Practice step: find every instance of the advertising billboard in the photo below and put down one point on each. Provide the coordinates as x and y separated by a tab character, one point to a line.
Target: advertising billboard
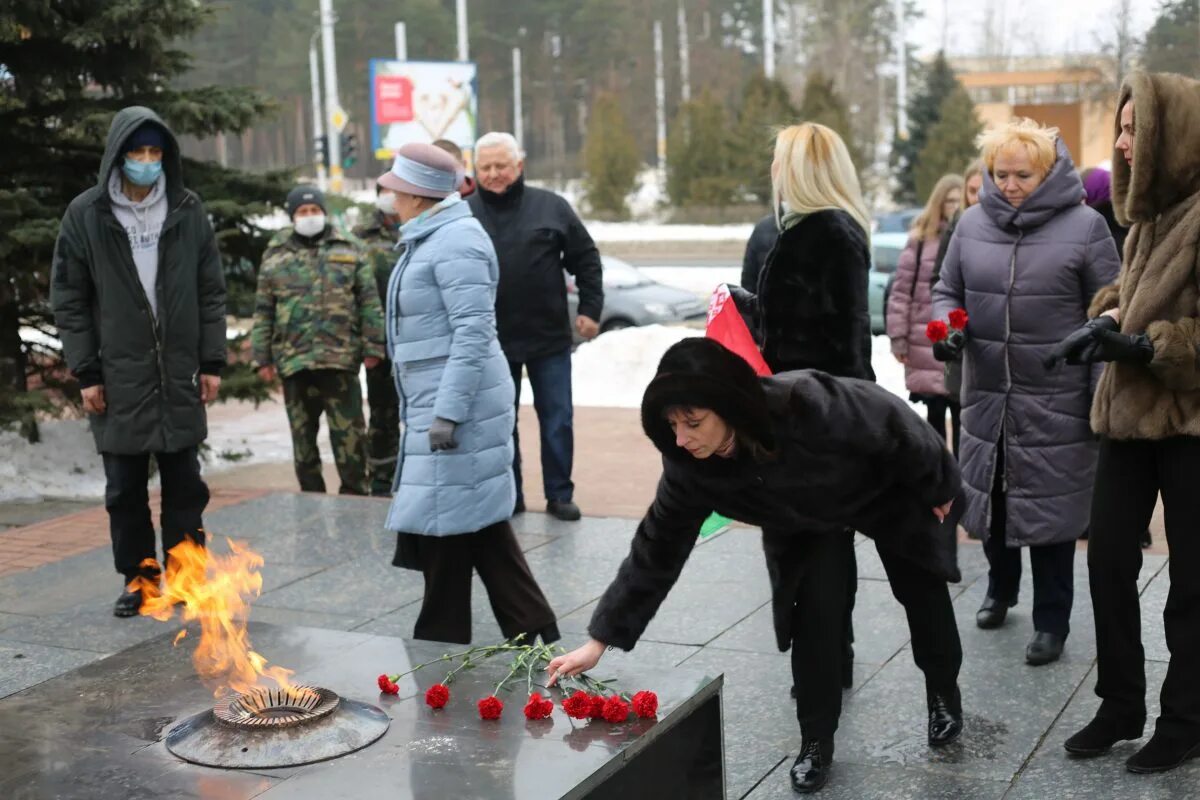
422	101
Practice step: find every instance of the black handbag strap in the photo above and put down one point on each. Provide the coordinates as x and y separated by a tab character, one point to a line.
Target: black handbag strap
912	290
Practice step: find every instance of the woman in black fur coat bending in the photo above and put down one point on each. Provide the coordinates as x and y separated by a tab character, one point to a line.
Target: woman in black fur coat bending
805	456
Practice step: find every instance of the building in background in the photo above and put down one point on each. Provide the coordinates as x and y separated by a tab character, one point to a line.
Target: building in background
1075	94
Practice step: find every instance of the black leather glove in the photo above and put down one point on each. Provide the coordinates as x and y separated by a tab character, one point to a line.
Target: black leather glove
1082	345
441	434
1133	348
746	302
950	348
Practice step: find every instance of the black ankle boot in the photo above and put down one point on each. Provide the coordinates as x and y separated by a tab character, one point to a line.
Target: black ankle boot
992	613
1163	753
945	716
810	770
1098	736
1044	648
128	604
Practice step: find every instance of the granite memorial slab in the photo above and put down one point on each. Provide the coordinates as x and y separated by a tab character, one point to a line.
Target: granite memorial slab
113	728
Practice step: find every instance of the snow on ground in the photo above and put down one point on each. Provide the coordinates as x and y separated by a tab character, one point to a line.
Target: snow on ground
699	280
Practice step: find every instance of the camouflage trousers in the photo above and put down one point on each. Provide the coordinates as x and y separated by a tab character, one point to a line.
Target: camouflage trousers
383	431
306	395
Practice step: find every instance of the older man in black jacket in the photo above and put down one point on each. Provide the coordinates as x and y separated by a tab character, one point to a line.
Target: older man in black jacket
139	300
538	235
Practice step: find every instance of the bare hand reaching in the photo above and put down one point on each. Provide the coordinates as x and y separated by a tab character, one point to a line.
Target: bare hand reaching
581	659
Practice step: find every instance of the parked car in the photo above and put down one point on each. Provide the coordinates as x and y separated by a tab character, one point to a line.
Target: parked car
632	298
899	221
885	255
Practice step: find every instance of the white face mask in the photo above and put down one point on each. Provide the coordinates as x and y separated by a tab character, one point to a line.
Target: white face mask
386	203
310	226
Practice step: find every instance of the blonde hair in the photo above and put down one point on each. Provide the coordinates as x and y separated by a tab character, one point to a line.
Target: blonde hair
815	173
928	223
1023	134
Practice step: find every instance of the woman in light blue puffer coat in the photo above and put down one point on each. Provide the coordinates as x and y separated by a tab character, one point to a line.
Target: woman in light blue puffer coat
454	490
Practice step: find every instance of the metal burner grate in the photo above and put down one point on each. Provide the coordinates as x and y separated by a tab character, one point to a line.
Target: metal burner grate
276	708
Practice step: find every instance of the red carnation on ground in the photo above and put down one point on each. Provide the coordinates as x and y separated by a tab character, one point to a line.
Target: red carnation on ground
645	704
936	331
386	686
616	709
958	319
538	707
490	707
596	708
436	696
577	705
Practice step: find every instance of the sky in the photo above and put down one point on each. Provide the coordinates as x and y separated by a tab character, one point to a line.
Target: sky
1033	26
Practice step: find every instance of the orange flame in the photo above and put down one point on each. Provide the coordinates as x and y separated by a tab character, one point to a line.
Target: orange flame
214	590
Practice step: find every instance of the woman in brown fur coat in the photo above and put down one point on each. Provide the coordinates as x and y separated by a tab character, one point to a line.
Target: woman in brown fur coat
1147	413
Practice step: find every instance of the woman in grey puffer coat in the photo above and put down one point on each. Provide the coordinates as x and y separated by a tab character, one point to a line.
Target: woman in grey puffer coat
1024	264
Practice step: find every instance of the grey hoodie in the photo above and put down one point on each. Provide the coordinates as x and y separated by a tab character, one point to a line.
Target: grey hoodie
143	222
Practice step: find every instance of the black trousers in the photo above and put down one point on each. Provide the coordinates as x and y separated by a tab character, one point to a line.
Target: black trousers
184	496
1129	477
819	626
1053	567
447	563
935	412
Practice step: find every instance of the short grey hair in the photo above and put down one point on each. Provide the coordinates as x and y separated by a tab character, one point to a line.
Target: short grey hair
500	139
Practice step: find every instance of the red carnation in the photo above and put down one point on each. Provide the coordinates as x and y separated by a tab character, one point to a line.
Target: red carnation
436	696
577	705
538	707
645	704
616	709
958	319
386	686
490	707
596	709
936	331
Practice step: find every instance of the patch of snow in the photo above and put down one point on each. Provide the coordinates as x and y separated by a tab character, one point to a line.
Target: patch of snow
63	464
604	232
698	280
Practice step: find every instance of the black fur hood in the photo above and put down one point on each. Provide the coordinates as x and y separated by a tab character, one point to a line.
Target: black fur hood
701	373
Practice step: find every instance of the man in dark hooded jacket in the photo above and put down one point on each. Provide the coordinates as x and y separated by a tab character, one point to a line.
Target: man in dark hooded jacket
139	300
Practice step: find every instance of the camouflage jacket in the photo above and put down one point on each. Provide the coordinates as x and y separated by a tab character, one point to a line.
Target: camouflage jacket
380	240
317	306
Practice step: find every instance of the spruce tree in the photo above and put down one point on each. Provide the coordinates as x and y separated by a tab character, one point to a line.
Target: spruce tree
700	153
1171	44
610	157
67	68
951	143
924	111
824	105
766	107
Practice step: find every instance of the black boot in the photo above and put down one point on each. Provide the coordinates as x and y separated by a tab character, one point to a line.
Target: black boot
1163	753
128	604
945	716
810	770
564	510
992	613
1098	736
1044	648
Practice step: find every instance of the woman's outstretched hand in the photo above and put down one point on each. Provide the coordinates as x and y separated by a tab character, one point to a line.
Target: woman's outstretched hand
581	659
943	511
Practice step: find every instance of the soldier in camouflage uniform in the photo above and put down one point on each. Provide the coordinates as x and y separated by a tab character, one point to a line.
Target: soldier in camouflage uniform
379	235
317	317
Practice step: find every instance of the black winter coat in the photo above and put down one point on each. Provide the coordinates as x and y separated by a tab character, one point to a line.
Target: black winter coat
762	241
811	308
150	370
848	455
537	235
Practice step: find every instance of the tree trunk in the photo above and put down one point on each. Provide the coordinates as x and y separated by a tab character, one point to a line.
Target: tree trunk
12	361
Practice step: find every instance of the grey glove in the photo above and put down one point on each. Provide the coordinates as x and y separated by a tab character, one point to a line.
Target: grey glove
441	434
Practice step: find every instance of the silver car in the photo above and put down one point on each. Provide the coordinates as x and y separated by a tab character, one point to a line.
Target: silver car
632	298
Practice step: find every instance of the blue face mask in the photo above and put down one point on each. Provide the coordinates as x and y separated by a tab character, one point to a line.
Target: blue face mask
142	173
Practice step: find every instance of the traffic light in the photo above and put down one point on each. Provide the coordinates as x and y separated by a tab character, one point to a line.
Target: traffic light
321	156
349	150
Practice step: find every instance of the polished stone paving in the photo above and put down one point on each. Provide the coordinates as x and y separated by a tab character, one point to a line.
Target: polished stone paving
328	565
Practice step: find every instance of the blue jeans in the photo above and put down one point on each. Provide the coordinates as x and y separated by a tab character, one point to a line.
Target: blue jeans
550	379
